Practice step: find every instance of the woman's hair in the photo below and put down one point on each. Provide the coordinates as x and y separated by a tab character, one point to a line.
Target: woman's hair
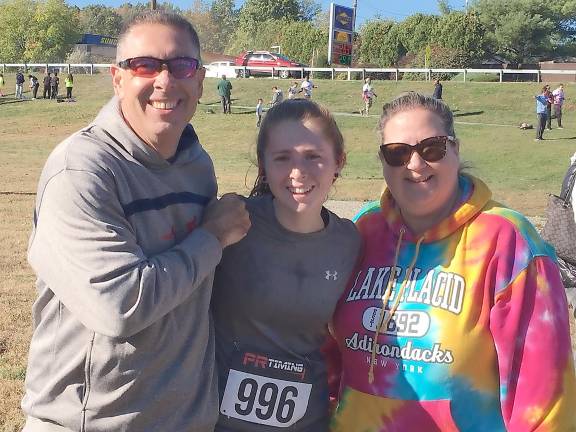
412	100
301	110
70	77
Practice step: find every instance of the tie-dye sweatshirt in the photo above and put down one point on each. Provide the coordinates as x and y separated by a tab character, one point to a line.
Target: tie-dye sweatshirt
480	340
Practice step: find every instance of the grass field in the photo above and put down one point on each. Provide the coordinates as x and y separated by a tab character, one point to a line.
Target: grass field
520	171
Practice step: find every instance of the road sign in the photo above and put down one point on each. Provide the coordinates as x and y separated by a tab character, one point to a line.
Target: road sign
341	35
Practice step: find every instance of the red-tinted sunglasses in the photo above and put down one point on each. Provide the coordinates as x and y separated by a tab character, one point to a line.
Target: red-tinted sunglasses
430	149
149	67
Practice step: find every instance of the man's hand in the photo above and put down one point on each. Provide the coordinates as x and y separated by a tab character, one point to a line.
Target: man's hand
227	218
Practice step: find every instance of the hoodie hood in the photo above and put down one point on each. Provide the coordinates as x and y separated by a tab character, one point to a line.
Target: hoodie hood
110	122
473	195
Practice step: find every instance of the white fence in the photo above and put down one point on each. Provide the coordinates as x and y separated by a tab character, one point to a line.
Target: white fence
299	72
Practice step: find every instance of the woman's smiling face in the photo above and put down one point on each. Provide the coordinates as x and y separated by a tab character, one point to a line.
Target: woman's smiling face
424	191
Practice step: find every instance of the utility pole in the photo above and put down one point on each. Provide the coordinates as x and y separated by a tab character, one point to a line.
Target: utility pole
153	4
355	7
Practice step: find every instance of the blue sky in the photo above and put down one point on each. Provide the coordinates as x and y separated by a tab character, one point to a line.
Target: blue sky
367	9
397	9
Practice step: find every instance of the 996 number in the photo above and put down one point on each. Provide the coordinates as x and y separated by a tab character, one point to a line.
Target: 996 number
266	400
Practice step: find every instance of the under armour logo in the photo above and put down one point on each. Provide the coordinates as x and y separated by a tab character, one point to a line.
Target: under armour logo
331	275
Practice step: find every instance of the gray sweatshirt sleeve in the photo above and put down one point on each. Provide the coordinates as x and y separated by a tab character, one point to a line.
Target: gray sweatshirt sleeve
83	248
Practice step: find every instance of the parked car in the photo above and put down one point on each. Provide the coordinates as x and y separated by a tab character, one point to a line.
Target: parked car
266	60
218	68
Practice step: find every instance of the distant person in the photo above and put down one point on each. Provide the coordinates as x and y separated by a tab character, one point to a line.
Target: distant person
306	87
437	89
293	90
127	233
225	91
558	95
541	112
34	84
69	83
54	84
368	95
259	110
19	85
549	103
47	80
2	84
277	96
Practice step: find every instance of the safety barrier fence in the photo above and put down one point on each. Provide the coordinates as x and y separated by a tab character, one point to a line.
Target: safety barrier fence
298	72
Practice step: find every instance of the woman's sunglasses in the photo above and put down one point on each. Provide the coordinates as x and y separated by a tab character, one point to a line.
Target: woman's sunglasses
430	149
149	67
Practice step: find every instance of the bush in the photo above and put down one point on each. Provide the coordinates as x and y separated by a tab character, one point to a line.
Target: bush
413	76
477	77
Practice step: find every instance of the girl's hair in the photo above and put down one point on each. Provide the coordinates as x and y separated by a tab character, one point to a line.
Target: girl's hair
70	77
301	110
411	100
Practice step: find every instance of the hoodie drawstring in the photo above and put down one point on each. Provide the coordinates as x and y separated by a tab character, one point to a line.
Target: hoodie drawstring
383	323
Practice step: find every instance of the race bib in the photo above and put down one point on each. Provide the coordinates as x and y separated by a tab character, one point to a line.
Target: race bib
267	391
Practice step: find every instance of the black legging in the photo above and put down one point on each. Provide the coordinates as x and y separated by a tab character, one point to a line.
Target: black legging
68	92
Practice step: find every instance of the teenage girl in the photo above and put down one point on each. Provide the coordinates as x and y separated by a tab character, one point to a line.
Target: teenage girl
275	291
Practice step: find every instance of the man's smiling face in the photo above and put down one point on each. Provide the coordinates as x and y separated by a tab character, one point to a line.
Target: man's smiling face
161	106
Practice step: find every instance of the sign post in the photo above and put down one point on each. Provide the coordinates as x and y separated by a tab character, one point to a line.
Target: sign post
341	35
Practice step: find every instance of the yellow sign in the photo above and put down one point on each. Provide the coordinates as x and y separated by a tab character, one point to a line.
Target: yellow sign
344	19
341	37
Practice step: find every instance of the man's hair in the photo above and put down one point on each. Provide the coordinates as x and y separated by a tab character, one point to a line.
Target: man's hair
301	110
169	19
412	100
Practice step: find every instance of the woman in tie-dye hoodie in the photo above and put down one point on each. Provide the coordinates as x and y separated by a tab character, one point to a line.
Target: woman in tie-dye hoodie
475	333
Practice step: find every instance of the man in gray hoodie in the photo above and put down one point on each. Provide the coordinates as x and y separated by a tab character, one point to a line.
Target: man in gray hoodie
126	236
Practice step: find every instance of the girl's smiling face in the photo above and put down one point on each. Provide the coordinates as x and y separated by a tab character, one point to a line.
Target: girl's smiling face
300	164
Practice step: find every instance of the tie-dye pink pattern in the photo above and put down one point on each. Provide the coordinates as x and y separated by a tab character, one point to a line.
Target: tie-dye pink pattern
510	365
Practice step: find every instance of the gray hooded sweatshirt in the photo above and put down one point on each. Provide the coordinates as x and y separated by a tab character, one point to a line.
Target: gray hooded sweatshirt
123	337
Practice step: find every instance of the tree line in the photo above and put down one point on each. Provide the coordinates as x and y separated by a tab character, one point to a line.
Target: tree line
517	31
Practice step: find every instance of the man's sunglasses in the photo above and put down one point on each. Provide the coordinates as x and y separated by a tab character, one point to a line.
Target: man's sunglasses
149	67
430	149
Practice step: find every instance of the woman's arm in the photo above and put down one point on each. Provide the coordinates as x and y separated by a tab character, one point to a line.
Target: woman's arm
529	324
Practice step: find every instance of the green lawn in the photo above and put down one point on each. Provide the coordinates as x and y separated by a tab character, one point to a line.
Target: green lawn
520	171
